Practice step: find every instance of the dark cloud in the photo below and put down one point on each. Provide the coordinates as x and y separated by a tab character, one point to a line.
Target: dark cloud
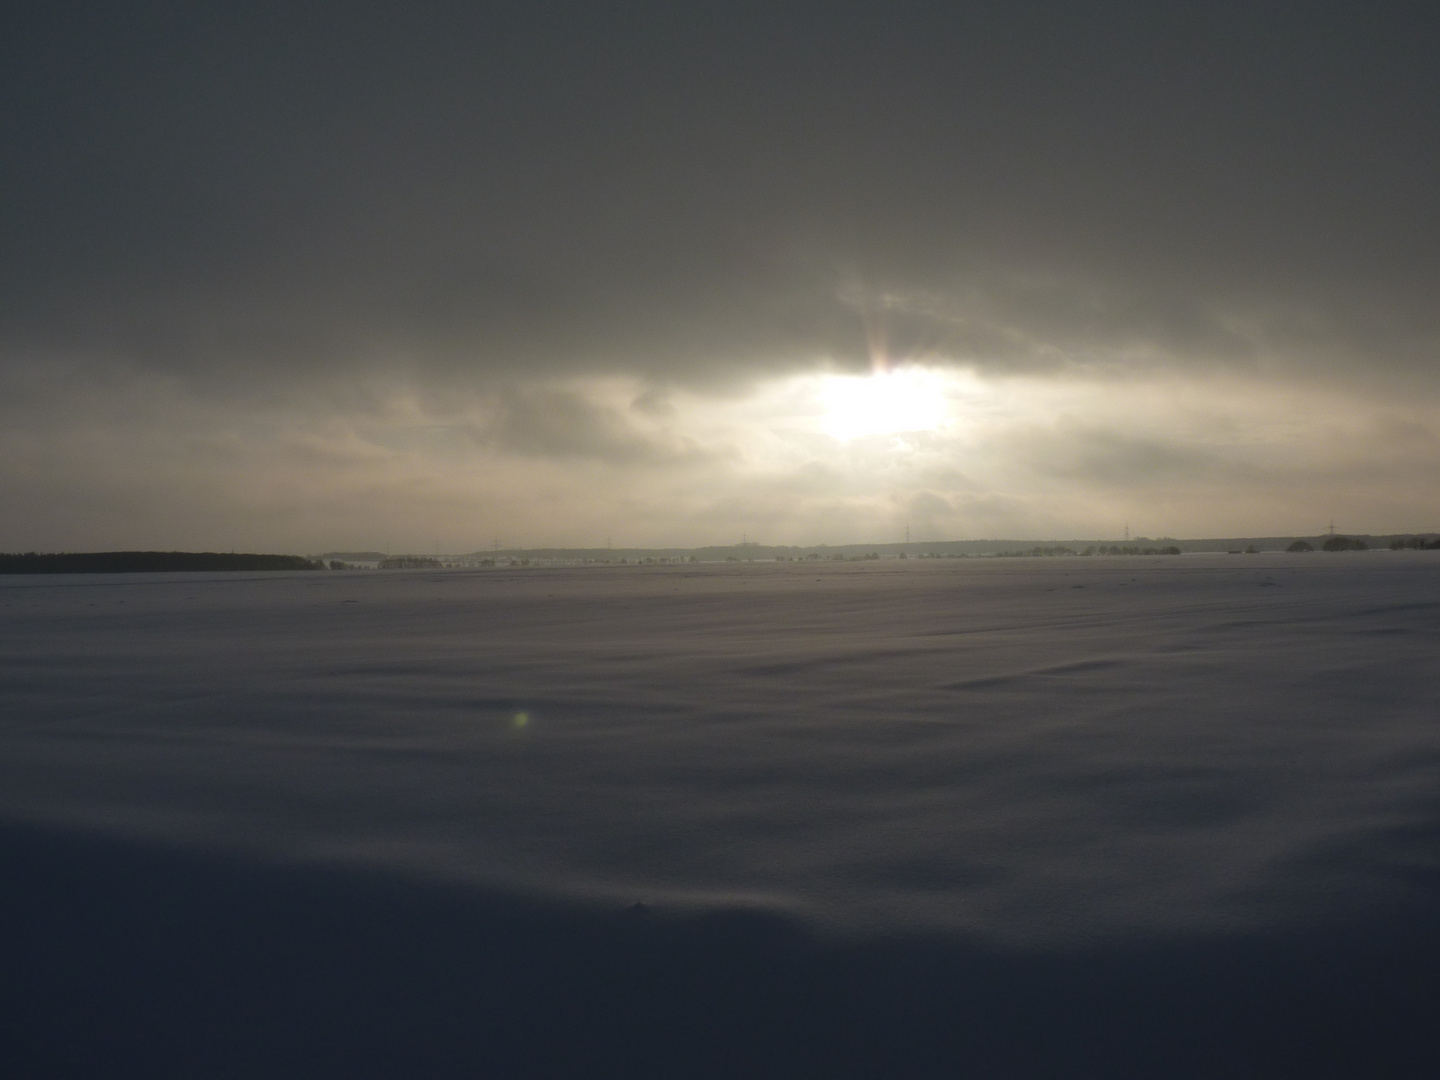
661	189
564	423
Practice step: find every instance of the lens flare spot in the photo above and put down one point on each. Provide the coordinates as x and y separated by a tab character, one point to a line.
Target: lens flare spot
520	720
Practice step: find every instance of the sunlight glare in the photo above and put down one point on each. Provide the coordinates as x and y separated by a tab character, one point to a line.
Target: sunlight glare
886	403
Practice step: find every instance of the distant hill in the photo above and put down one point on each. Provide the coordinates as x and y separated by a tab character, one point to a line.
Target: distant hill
131	562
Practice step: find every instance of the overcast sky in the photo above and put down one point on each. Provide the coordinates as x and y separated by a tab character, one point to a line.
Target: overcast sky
310	277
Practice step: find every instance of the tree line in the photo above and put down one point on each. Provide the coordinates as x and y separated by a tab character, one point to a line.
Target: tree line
134	562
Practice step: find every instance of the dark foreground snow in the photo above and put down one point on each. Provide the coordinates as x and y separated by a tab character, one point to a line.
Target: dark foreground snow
1071	817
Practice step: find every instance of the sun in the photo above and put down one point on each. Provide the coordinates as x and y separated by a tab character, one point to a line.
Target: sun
886	403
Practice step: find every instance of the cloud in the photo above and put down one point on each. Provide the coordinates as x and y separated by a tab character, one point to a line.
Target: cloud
548	421
1051	326
280	205
125	457
1117	458
443	258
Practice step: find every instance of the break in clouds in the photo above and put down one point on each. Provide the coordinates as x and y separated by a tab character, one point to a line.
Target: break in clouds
280	281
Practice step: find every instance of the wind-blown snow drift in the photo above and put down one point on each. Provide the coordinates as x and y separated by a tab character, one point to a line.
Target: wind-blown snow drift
1025	751
1028	758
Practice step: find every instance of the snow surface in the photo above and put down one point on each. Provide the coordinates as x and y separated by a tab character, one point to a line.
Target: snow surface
1039	756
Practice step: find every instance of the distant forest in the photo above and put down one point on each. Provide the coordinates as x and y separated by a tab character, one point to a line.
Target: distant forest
752	551
132	562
